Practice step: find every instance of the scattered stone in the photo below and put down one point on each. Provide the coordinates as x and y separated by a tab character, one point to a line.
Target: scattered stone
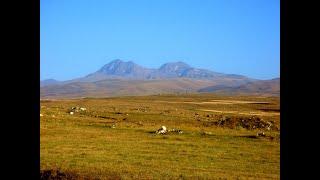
71	113
269	127
261	133
162	130
77	109
175	131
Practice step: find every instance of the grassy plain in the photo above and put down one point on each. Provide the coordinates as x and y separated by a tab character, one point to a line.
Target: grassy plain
87	145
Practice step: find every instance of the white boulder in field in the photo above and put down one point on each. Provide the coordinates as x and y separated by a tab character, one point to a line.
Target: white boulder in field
162	130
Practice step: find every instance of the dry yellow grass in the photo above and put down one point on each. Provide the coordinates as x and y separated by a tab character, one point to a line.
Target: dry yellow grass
86	143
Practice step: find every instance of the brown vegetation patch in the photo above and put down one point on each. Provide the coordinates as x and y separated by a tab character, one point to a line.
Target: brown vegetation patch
57	175
51	174
271	138
245	122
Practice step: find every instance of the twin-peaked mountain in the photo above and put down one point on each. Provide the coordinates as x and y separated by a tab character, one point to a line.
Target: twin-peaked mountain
130	70
127	78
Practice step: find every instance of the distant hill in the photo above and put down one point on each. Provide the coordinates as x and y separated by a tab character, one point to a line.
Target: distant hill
48	82
120	87
256	87
127	78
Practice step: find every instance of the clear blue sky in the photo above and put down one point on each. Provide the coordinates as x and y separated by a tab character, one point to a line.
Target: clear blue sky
77	37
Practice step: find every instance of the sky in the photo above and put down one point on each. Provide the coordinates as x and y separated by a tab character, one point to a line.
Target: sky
77	37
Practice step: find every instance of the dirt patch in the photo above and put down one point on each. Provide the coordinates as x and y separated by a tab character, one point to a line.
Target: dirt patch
249	123
57	175
105	117
258	137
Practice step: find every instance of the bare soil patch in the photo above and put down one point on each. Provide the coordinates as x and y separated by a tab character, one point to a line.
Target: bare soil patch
246	122
249	123
57	175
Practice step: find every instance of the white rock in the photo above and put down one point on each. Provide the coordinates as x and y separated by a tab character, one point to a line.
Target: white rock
164	128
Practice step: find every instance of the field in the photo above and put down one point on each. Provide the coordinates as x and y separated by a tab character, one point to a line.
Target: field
114	138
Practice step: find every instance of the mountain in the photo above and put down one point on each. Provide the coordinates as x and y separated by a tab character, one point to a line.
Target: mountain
121	69
271	87
48	82
127	78
118	69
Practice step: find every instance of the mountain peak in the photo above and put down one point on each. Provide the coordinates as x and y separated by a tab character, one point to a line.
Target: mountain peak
174	67
124	69
177	63
116	65
119	61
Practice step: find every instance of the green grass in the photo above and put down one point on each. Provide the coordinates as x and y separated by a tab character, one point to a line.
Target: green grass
84	143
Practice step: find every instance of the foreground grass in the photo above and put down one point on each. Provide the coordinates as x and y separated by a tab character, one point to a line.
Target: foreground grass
84	143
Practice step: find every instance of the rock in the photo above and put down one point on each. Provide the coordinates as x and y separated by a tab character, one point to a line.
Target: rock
71	113
41	115
261	133
162	130
175	131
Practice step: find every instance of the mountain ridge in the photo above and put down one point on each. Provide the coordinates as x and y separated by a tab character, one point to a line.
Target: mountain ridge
130	70
128	78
